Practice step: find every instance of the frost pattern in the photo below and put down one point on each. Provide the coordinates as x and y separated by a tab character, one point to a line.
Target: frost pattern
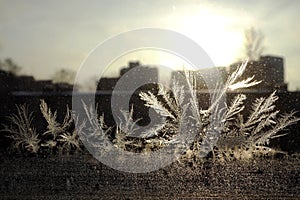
21	131
234	134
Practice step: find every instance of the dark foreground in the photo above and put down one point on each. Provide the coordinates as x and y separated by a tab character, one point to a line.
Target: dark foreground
81	177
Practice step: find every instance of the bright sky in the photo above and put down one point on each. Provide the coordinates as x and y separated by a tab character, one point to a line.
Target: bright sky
44	36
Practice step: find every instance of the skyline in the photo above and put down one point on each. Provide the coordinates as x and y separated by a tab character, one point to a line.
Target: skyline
267	71
50	35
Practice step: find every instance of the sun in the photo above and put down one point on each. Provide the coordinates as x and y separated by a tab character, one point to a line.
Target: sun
218	35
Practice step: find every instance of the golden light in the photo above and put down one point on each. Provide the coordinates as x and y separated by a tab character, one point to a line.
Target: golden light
218	34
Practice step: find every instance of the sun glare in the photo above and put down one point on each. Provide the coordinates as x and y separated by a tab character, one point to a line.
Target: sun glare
217	34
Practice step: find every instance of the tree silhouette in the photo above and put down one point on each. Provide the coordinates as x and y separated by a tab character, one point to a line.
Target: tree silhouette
90	84
253	43
10	66
64	76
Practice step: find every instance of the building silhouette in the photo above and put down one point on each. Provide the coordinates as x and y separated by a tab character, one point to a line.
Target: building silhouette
204	79
133	74
268	69
107	84
132	80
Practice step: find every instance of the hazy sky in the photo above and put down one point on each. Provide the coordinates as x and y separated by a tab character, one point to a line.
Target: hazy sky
44	36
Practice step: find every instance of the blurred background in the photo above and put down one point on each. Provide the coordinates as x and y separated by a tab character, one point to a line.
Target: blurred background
51	39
